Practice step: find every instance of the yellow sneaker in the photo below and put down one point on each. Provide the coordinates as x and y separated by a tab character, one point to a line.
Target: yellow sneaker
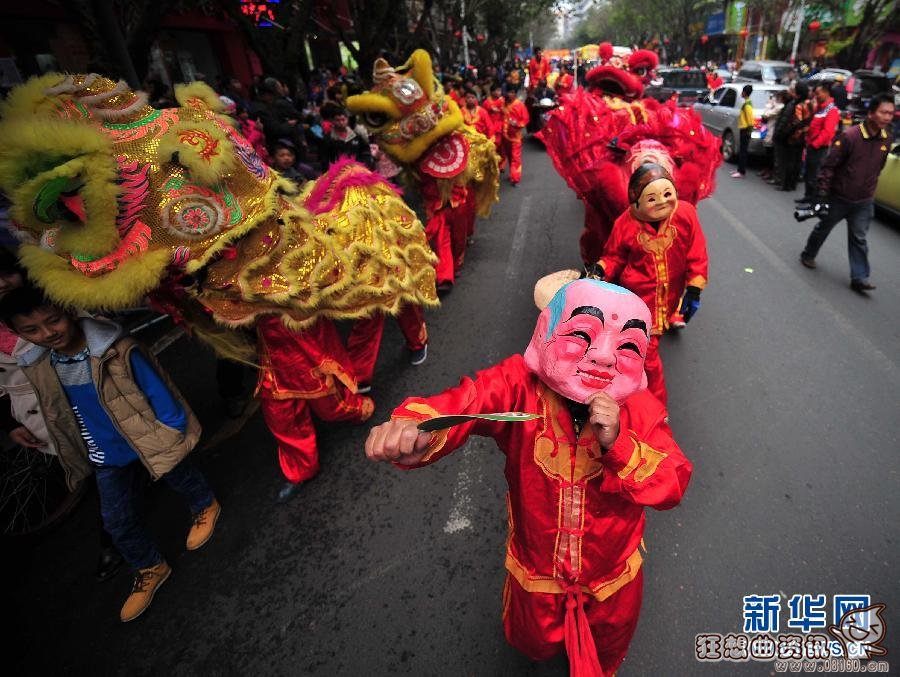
146	583
204	523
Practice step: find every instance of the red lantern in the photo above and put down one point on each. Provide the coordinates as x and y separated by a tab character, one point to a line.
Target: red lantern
743	32
704	39
815	25
457	34
479	38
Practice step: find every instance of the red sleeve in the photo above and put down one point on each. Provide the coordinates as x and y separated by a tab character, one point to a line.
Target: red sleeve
645	464
519	114
488	123
498	388
697	268
615	252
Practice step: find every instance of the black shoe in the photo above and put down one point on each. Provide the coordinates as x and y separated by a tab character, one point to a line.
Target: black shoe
861	287
444	288
809	263
108	564
288	491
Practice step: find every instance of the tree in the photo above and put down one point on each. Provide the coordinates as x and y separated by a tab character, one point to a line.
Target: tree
876	17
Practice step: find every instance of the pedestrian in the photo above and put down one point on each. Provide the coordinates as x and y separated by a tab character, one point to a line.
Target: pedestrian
115	413
780	133
846	184
819	135
768	119
21	416
252	131
476	116
596	451
346	141
494	105
796	130
745	129
538	69
284	159
565	82
839	92
657	249
515	117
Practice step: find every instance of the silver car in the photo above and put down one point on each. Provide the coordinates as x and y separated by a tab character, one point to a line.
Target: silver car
769	72
720	110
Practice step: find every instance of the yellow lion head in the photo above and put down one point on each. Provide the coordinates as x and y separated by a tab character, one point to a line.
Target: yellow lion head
406	108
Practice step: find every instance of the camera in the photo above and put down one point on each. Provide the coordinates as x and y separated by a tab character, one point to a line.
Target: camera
808	211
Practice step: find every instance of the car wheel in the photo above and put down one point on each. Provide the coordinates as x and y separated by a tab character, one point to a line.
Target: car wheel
729	152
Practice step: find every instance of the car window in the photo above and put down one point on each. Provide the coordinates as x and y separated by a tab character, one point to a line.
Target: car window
717	95
871	86
777	73
751	73
695	79
760	97
729	98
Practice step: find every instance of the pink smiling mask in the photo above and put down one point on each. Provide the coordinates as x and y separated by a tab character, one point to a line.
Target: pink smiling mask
592	337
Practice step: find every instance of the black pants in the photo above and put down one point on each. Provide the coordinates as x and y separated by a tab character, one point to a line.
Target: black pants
742	150
814	157
792	156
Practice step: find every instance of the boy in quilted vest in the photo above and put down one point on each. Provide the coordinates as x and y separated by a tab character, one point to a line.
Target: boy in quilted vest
109	410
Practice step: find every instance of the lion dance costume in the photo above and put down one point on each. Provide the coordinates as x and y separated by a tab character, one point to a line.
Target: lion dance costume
454	166
116	200
602	132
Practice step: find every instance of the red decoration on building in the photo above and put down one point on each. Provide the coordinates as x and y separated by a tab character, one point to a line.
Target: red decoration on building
704	39
479	37
743	32
815	25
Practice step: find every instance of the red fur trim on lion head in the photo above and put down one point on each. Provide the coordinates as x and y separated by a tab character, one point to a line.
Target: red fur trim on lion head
605	51
642	63
615	82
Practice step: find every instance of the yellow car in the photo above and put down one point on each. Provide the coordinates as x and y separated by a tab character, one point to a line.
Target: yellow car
887	192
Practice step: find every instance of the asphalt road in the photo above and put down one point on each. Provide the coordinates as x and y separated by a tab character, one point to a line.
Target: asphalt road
783	391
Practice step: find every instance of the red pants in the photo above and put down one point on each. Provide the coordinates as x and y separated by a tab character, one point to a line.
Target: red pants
365	338
534	622
447	229
511	151
290	422
305	372
656	382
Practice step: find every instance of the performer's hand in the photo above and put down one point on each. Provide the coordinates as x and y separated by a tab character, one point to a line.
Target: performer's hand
24	438
398	440
603	413
690	303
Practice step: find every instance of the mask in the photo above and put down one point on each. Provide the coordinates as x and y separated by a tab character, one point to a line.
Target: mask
652	193
592	337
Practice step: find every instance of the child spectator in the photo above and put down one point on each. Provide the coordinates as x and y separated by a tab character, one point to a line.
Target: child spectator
253	132
20	413
285	161
114	411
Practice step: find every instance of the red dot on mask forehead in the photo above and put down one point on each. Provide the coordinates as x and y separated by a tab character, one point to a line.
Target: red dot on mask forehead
615	317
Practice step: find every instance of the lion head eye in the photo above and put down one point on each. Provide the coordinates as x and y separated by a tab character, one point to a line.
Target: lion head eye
376	120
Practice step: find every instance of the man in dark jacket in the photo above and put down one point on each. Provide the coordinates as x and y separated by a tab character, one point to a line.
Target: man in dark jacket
280	120
846	185
346	141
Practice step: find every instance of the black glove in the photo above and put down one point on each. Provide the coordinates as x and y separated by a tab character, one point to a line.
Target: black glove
690	303
593	271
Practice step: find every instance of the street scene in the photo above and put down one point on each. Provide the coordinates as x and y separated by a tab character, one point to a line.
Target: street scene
254	287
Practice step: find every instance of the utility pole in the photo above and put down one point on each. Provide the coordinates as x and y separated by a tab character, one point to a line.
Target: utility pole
800	17
465	35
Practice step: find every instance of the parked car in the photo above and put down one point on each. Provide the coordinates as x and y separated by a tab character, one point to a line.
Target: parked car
769	72
719	112
887	192
861	86
828	74
688	84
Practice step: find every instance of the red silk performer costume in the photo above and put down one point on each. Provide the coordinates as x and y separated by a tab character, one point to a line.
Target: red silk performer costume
538	69
515	117
576	510
494	107
453	165
603	130
656	258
